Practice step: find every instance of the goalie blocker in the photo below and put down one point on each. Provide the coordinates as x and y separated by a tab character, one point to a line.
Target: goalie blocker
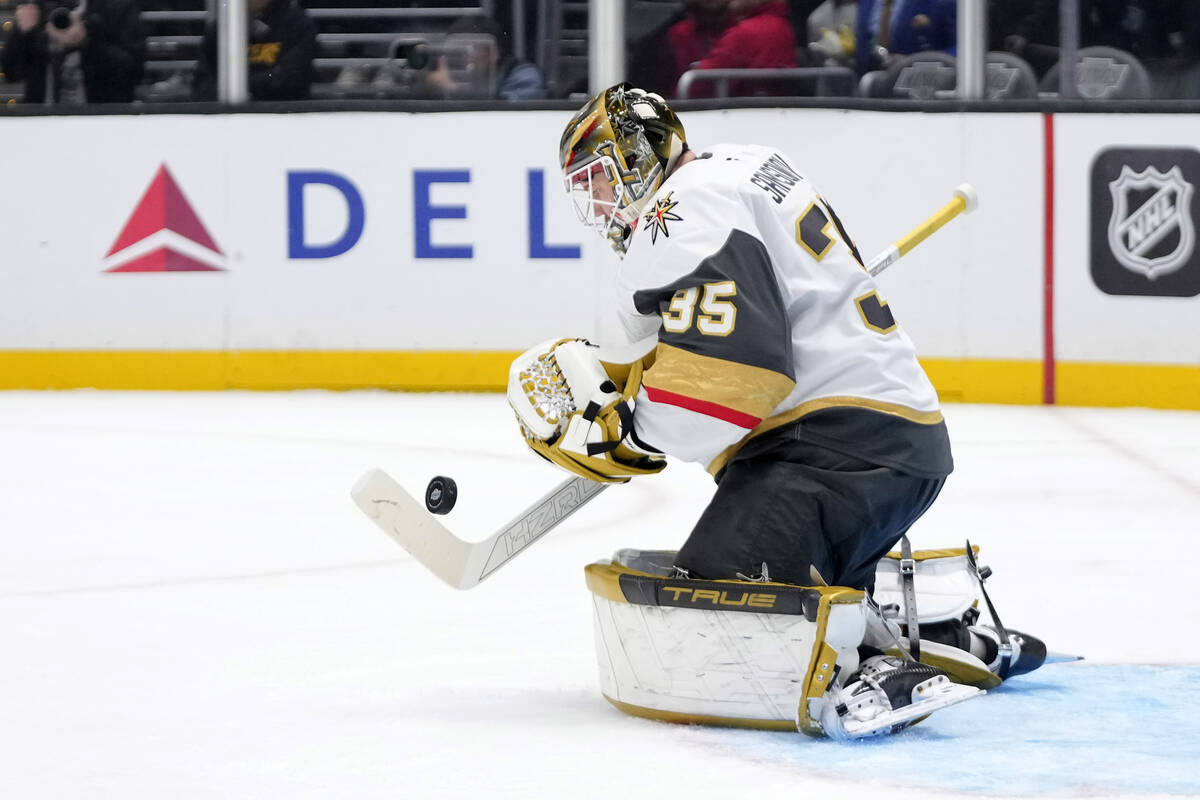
761	655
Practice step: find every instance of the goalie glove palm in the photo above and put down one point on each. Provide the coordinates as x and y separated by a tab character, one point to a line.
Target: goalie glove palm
572	413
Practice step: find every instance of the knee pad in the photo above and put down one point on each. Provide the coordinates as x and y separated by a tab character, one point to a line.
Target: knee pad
948	594
946	587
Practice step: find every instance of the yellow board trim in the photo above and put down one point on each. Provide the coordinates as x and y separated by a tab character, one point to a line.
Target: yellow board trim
1173	386
418	371
678	718
1145	385
985	380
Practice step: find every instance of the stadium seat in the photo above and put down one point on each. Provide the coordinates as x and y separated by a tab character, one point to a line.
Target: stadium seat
919	76
1105	73
1009	77
927	76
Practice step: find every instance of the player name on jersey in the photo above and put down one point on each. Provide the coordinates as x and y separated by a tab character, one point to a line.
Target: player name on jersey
776	177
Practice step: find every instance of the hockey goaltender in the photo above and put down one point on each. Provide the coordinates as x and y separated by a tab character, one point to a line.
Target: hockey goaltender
759	346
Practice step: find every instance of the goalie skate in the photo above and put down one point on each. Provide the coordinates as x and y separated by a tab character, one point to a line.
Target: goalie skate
886	695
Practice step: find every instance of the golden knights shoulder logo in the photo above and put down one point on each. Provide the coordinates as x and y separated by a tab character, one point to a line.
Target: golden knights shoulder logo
1144	221
657	218
1150	229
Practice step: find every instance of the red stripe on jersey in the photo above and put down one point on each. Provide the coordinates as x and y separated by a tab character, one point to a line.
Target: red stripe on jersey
742	420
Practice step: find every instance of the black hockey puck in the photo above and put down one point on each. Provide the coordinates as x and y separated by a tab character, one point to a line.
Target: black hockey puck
441	494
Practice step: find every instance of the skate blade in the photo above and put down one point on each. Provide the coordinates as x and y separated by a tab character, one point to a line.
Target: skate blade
1061	658
892	721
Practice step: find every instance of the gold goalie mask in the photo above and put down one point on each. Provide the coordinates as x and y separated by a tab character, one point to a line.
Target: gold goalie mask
614	154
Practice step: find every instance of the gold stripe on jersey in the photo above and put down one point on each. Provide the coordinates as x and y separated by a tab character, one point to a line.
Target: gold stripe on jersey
750	390
821	403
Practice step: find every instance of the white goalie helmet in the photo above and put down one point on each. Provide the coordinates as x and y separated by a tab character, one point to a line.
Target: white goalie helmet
615	153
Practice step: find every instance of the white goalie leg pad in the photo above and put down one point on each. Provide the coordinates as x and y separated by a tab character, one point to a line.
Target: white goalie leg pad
946	588
735	653
882	633
886	695
715	666
751	654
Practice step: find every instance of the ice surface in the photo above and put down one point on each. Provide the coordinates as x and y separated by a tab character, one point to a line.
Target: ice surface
192	607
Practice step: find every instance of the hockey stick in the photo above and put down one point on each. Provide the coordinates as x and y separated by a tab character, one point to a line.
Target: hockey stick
465	564
965	201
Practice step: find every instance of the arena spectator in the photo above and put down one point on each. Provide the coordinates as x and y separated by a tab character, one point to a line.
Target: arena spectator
1008	18
1163	34
692	38
900	27
93	53
493	73
830	30
761	36
282	42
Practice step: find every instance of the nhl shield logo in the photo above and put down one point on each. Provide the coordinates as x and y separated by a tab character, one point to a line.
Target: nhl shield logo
1150	230
1143	223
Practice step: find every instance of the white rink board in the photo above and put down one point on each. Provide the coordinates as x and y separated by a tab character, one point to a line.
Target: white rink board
1092	325
66	204
233	170
972	291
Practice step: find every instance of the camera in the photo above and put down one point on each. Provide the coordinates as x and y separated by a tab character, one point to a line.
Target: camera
415	55
58	13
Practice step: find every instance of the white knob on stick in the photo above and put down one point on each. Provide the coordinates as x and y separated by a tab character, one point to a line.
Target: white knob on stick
967	192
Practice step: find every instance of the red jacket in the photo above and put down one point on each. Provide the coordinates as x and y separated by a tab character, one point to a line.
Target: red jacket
763	39
687	43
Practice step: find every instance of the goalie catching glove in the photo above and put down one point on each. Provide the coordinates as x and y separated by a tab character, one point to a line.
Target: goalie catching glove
577	412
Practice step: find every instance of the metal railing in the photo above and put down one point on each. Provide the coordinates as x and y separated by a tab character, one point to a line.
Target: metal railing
823	81
160	49
394	13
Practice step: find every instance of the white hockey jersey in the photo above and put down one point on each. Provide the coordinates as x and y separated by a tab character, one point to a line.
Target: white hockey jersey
765	316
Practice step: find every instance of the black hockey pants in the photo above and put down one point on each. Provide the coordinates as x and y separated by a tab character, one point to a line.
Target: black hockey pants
794	505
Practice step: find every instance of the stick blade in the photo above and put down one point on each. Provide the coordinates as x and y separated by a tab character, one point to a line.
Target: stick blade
408	524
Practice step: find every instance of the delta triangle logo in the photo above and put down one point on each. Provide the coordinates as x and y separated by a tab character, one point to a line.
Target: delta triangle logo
164	234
